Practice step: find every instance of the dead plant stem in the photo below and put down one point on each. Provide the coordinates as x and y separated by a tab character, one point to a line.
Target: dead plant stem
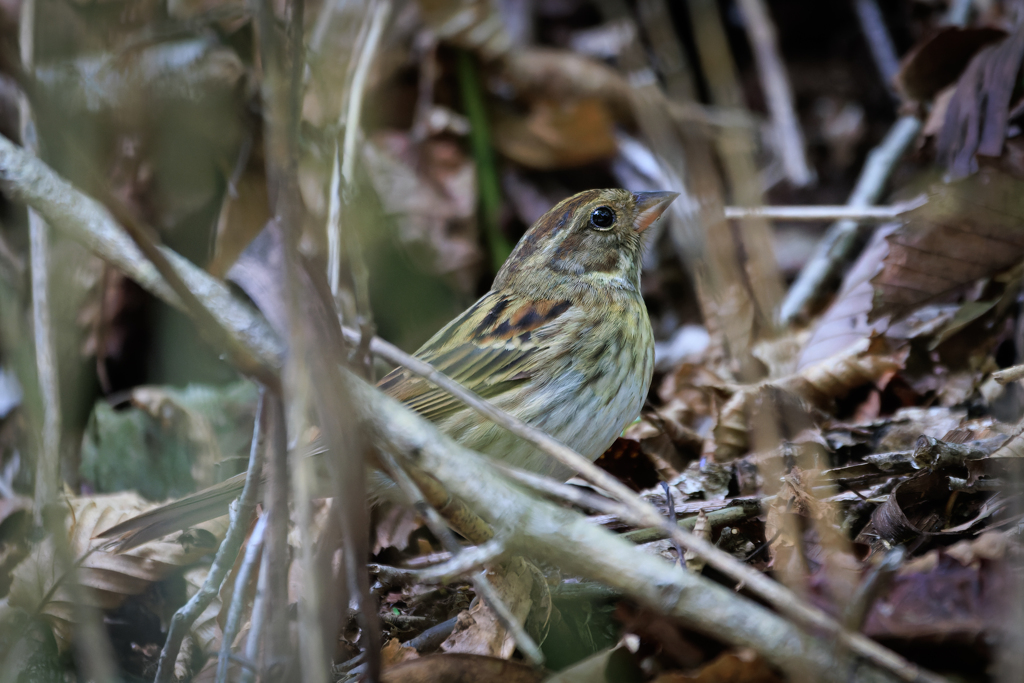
241	513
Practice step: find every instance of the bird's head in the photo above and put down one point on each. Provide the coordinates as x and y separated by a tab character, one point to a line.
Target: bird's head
593	237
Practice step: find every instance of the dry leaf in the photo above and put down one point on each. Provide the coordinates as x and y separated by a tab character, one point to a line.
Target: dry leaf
558	75
845	322
461	668
478	631
394	653
107	578
969	229
242	216
774	410
557	134
938	597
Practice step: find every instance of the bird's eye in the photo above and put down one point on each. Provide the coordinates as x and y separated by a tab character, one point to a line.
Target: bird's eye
602	218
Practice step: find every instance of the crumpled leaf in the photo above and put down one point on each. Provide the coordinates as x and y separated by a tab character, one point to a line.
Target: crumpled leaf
938	596
760	407
969	229
918	506
524	591
107	579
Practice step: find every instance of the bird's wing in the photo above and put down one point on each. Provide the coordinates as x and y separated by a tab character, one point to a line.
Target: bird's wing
491	348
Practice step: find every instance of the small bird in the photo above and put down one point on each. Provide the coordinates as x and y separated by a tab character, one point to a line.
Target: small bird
562	341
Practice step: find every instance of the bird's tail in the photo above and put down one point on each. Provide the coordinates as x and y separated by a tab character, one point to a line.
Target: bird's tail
178	515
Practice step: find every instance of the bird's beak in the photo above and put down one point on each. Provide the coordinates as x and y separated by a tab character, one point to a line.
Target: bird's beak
649	206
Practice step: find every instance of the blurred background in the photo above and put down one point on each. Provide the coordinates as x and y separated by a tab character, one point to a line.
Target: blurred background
433	133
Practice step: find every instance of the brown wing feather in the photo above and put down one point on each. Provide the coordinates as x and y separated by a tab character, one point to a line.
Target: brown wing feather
488	349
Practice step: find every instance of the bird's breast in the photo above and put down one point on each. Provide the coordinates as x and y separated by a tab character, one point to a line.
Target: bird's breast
590	384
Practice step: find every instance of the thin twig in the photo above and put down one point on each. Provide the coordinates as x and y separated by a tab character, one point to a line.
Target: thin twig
465	561
643	514
379	15
836	247
826	212
959	12
48	453
242	579
778	92
546	530
277	652
562	491
241	512
883	51
334	226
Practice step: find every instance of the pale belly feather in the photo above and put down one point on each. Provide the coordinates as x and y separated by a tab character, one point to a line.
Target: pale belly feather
587	417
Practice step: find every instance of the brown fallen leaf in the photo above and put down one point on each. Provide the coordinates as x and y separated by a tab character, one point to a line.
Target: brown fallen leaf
559	74
394	653
923	505
939	597
108	579
557	134
242	216
779	409
524	591
845	322
969	229
461	668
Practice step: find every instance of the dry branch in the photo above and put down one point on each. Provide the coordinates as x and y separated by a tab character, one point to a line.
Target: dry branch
566	539
825	212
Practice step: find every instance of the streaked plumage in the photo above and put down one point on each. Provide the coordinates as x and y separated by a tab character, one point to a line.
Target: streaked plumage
562	341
